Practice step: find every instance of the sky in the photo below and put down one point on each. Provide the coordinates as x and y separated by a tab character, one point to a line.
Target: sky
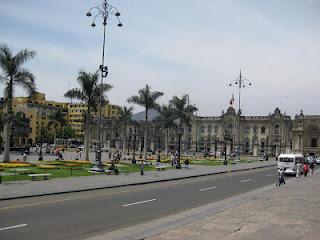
177	47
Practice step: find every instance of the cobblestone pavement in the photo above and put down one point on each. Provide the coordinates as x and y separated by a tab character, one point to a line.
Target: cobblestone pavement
290	212
9	190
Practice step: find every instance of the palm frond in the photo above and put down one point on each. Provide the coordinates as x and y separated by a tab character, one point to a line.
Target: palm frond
23	56
25	79
75	93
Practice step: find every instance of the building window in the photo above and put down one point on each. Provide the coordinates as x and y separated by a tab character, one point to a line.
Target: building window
276	129
254	129
247	130
209	129
314	142
263	130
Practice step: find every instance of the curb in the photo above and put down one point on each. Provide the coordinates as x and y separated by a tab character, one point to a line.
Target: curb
134	184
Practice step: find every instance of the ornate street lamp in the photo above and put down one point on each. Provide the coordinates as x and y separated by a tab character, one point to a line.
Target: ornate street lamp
267	147
241	83
105	10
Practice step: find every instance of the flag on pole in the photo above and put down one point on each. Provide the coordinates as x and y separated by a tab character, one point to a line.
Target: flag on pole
232	100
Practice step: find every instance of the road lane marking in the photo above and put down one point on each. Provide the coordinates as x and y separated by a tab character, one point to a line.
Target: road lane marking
205	189
11	227
85	197
269	175
140	202
246	180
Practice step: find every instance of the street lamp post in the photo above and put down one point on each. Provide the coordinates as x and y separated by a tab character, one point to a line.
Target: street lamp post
105	10
241	82
226	137
267	147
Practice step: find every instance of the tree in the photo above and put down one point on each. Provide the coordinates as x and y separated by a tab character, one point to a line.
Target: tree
89	93
182	111
66	132
146	99
166	121
57	119
13	74
125	115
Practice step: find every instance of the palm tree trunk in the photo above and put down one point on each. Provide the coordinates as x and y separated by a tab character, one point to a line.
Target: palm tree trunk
145	145
87	133
124	139
166	141
55	136
6	156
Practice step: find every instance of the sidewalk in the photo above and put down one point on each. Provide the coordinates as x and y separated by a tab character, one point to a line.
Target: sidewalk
290	212
11	190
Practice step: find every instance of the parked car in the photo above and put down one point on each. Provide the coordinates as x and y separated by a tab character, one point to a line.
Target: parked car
310	160
318	160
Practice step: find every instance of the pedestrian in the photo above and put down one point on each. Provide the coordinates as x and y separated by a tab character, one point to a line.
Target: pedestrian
141	168
24	156
305	169
280	180
78	150
298	170
186	163
311	168
178	165
172	159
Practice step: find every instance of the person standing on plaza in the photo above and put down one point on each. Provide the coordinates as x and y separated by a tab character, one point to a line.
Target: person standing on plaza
305	169
186	163
142	168
172	159
311	168
298	170
280	180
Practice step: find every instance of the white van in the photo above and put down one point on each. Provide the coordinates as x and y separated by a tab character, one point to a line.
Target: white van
288	162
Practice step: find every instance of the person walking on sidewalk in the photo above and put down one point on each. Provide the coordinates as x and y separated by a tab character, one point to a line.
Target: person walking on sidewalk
305	169
298	170
142	168
280	180
311	168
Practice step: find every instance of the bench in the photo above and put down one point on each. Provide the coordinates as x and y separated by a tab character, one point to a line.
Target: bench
35	176
161	167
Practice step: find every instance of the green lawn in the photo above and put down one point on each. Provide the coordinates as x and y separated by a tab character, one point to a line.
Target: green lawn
67	171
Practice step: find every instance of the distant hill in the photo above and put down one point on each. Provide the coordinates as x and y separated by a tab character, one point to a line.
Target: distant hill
152	114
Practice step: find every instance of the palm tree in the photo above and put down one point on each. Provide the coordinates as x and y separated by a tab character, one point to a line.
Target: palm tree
57	118
89	93
1	125
146	99
14	75
125	114
166	121
182	111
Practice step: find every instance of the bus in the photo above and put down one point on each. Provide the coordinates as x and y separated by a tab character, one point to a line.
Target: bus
288	162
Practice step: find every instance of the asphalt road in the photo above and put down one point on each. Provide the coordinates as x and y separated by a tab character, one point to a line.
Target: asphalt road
80	215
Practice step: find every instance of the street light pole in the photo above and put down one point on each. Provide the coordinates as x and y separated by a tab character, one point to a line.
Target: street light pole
104	10
241	84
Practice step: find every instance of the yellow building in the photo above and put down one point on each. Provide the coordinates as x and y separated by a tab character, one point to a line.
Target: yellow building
37	109
76	113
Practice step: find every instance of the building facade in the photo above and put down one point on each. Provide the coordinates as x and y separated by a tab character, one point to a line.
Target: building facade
270	135
38	110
